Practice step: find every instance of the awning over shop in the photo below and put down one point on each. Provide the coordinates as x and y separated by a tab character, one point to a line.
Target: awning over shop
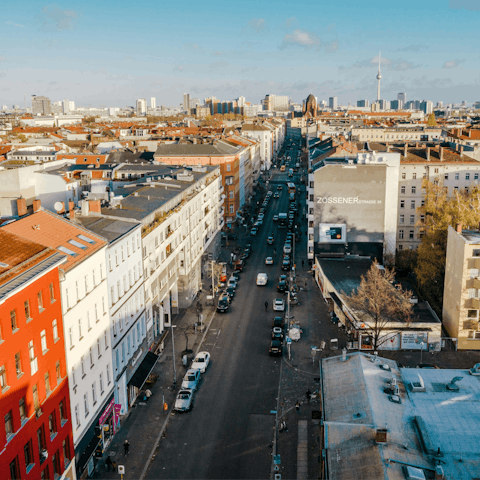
143	370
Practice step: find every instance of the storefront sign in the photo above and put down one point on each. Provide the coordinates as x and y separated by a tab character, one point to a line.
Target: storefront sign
349	200
107	412
414	340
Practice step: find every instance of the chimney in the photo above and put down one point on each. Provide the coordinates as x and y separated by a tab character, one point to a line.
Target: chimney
36	205
94	206
459	227
405	149
21	207
84	208
428	154
441	154
461	150
381	435
416	144
71	210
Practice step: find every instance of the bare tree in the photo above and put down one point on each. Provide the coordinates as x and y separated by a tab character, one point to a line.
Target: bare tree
381	305
214	270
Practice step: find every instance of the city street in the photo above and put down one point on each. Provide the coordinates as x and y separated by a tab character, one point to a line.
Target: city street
229	432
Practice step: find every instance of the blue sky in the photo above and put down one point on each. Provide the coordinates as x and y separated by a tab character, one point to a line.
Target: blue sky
111	53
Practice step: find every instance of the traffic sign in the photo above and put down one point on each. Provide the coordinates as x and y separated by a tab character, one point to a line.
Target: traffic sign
289	340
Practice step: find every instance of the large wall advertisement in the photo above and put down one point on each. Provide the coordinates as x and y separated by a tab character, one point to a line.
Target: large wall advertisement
352	196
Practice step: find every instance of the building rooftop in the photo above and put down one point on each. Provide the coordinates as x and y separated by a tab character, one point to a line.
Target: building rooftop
110	228
54	231
217	148
471	236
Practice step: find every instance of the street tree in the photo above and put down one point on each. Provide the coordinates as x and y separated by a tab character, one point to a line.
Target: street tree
214	271
438	213
380	305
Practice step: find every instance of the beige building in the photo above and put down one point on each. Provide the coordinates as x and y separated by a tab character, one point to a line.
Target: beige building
461	302
381	134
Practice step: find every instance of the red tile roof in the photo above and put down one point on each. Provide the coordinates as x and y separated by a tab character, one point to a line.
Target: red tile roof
54	231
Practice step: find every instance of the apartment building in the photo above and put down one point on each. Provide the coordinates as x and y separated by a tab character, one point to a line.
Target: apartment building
461	299
381	134
181	214
84	297
36	436
441	165
126	300
263	134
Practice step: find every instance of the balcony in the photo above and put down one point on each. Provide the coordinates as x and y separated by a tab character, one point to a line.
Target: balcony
473	283
476	263
472	303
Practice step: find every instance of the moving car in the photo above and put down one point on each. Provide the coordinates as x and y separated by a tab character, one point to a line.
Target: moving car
184	401
247	250
279	305
275	218
191	379
286	264
282	286
262	279
276	195
253	231
280	187
275	348
269	261
201	361
270	240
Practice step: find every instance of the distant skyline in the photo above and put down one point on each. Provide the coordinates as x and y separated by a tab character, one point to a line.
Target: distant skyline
112	53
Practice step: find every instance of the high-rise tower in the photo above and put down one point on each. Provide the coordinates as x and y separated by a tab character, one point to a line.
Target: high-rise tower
379	77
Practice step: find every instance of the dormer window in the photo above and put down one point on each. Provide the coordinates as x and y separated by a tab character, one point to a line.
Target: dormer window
85	159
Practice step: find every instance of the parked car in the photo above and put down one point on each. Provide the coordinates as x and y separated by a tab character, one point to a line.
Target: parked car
230	291
223	303
282	286
279	305
261	215
286	264
247	250
258	222
278	322
287	248
253	231
277	333
232	282
184	401
276	348
239	264
201	361
191	379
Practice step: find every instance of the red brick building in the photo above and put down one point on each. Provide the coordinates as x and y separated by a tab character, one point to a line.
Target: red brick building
36	428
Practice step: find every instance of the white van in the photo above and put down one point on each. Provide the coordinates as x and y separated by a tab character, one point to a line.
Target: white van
262	279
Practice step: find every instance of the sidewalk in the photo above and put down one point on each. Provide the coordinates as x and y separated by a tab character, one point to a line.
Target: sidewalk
144	423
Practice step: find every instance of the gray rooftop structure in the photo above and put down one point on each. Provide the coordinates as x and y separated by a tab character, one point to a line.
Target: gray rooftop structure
109	228
368	436
217	147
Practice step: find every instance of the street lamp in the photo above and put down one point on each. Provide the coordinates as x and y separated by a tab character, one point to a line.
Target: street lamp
421	351
173	353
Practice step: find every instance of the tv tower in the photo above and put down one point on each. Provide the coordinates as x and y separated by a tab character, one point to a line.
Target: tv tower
379	77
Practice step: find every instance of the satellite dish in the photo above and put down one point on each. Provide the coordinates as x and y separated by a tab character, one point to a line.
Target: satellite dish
58	206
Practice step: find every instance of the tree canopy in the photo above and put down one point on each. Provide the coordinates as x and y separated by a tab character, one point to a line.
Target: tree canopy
380	304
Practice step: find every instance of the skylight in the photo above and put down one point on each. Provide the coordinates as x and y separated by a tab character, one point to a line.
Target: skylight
67	251
77	244
86	239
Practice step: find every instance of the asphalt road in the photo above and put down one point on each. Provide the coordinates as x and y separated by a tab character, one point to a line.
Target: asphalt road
229	432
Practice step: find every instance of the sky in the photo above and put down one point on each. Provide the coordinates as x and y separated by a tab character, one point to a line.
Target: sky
114	52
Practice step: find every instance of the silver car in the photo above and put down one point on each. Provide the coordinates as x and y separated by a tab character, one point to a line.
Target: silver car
184	401
191	379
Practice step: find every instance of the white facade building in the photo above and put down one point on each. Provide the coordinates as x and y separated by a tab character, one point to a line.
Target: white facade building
153	103
141	107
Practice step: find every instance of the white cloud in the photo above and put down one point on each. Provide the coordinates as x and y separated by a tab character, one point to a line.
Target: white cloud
2	59
178	68
471	5
257	24
301	38
53	16
15	24
452	63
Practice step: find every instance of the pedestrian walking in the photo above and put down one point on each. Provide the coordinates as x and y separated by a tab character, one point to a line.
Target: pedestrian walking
108	463
126	447
297	406
148	394
185	361
308	395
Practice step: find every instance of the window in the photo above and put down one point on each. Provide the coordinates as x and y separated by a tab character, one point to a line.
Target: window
473	335
231	194
18	364
85	403
52	293
228	167
467	176
411	234
28	453
475	177
108	374
414	189
9	424
77	290
22	409
13	320
412	204
58	371
100	381
77	415
47	383
40	301
28	315
56	464
402	219
436	170
3	378
89	323
15	469
33	358
43	340
94	393
414	176
90	352
105	338
99	353
70	336
123	256
402	203
400	234
412	219
232	209
36	402
446	176
97	318
80	327
86	285
457	176
66	450
404	176
116	258
402	189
